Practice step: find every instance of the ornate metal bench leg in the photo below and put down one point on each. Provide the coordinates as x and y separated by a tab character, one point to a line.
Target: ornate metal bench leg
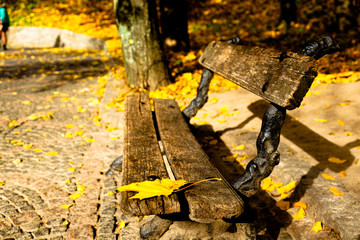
267	155
203	89
201	97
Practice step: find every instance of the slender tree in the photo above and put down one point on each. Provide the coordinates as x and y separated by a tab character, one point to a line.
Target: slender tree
141	43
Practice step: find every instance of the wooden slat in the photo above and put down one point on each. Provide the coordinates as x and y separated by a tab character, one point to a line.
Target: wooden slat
142	158
261	71
208	200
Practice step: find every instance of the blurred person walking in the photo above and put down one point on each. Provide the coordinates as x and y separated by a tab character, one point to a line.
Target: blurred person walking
4	23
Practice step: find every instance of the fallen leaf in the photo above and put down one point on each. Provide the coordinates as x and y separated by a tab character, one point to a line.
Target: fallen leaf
51	153
317	227
69	125
300	214
66	206
76	195
283	205
72	169
65	222
81	188
287	188
37	150
17	161
348	134
69	135
240	147
28	146
148	189
336	160
341	122
2	183
109	194
121	225
27	102
320	120
213	142
327	176
343	173
300	205
336	192
284	196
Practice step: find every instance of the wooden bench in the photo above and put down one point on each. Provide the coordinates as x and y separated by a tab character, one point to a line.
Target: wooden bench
145	132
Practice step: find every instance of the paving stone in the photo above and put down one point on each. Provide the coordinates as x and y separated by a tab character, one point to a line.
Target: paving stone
30	227
107	237
23	218
8	210
58	229
41	232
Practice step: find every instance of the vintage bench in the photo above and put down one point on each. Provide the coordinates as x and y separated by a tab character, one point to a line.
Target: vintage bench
282	78
152	136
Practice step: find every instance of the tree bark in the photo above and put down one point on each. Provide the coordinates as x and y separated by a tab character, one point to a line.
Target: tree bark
174	24
141	43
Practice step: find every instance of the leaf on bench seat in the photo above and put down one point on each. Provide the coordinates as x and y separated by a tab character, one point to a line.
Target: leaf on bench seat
165	187
148	189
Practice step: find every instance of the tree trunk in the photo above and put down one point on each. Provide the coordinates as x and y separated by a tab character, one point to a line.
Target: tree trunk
174	24
143	53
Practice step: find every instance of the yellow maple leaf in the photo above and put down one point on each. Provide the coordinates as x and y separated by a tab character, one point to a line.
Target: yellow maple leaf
51	153
2	183
121	225
76	195
80	188
72	169
317	227
28	146
300	205
320	120
148	189
336	160
336	192
300	214
109	194
343	173
69	125
65	222
66	206
17	161
287	188
69	135
27	102
240	147
37	150
341	122
327	176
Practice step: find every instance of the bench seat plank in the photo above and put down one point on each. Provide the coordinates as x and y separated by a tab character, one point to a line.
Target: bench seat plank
142	158
283	81
208	200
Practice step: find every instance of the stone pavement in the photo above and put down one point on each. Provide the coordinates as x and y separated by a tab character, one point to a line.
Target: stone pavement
58	139
52	146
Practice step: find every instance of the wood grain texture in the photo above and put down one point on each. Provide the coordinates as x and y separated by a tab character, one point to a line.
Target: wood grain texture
208	200
142	158
283	81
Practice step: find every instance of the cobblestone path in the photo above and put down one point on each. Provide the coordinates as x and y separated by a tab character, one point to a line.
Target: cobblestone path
54	149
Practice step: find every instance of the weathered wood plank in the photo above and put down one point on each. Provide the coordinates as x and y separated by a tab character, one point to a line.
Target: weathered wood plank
281	78
209	200
142	158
